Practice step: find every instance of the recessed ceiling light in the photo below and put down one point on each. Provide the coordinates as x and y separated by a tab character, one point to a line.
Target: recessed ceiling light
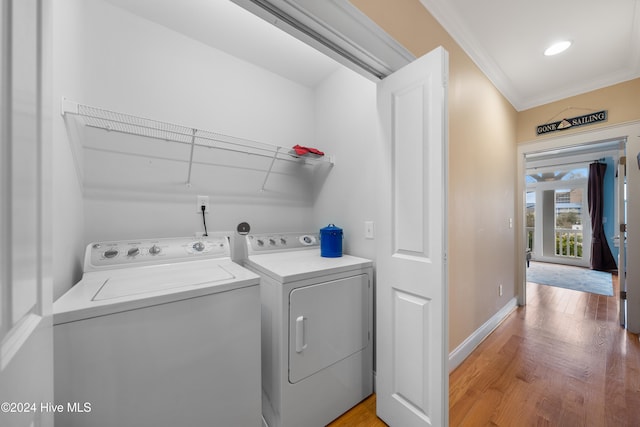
556	48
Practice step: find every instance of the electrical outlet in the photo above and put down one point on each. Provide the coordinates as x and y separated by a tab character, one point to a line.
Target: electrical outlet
202	201
500	290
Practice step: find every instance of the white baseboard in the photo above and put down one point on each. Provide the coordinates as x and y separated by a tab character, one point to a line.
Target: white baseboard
457	356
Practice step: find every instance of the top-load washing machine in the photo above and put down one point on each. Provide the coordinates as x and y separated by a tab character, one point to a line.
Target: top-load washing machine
159	332
317	350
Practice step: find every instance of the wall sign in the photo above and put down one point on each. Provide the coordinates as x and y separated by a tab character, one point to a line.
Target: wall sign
587	119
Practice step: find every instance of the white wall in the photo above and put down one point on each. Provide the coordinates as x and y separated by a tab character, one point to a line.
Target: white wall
67	203
109	58
347	126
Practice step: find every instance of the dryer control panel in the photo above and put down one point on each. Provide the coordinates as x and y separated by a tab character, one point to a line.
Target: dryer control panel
276	242
116	254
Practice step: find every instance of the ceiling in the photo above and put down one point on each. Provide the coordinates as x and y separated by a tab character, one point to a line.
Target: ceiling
505	38
228	27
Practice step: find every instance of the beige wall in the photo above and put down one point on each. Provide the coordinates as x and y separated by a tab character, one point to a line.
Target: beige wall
482	131
621	100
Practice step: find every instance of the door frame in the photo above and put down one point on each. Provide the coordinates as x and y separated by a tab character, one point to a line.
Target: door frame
624	130
26	333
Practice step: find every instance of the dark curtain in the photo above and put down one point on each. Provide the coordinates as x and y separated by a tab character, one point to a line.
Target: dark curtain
601	257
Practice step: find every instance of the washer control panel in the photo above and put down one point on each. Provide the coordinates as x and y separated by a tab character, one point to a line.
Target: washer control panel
259	243
115	254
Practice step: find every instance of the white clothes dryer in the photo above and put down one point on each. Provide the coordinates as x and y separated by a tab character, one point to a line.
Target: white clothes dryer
159	332
317	350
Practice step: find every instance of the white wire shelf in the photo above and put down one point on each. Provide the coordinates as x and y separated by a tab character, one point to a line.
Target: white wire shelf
129	124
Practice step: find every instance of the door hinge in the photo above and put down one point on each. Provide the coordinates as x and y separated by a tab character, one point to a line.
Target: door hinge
623	228
623	160
623	295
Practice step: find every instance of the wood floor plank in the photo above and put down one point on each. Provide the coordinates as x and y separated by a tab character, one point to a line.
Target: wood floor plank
561	361
577	366
362	415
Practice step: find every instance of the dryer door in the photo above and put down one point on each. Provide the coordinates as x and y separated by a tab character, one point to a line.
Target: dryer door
327	323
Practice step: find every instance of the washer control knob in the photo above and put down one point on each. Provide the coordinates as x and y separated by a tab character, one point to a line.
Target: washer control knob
308	240
283	241
133	251
110	253
198	246
260	242
272	242
155	250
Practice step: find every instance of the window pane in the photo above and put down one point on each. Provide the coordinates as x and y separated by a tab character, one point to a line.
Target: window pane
578	173
531	218
569	209
559	174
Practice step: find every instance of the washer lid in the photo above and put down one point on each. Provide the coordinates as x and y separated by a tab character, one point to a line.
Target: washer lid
141	281
106	292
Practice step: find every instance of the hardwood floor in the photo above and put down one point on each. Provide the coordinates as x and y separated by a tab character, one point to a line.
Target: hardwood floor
563	360
363	415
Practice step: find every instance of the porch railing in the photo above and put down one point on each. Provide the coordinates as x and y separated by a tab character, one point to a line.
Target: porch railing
530	233
568	243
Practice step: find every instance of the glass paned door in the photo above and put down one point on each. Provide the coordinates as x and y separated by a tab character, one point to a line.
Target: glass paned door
558	228
569	222
531	220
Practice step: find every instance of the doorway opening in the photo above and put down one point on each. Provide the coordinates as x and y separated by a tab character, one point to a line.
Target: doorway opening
557	226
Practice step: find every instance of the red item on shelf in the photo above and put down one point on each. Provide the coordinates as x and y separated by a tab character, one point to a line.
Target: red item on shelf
301	151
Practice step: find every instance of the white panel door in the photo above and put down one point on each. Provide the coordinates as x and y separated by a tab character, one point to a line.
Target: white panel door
26	349
412	353
632	279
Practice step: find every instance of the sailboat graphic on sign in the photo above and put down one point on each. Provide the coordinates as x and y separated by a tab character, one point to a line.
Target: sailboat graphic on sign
564	124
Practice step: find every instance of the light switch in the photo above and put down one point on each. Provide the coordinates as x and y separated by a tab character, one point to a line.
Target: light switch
368	230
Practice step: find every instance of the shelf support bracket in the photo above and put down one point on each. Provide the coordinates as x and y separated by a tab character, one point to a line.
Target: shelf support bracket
68	107
193	144
273	160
